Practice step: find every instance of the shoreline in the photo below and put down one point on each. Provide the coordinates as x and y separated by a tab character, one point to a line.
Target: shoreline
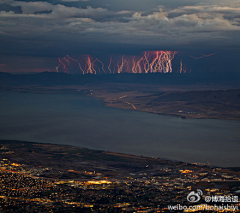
105	102
105	151
130	101
134	156
127	155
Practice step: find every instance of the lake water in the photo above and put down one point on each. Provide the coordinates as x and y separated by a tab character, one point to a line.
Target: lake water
82	121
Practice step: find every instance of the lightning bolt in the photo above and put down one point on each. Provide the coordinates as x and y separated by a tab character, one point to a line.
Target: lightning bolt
120	65
102	65
203	55
110	65
79	65
64	66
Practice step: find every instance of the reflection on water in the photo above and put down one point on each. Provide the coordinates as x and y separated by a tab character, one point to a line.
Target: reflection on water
83	121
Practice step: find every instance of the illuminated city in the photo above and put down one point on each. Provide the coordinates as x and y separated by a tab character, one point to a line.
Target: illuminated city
109	188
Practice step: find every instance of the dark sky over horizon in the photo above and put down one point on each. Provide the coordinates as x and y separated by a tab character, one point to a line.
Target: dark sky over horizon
33	34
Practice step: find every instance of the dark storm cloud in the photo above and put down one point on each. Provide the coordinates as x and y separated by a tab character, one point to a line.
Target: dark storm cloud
60	27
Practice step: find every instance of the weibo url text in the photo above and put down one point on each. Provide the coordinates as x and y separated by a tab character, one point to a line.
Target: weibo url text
204	207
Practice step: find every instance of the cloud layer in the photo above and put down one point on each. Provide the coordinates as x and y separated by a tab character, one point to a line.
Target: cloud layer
79	26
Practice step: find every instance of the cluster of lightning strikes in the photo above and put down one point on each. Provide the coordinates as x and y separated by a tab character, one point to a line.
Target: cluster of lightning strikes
149	62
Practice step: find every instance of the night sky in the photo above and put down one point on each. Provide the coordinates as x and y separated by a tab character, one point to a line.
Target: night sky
34	34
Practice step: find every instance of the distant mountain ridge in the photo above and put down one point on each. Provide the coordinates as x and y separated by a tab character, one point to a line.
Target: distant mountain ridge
52	78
